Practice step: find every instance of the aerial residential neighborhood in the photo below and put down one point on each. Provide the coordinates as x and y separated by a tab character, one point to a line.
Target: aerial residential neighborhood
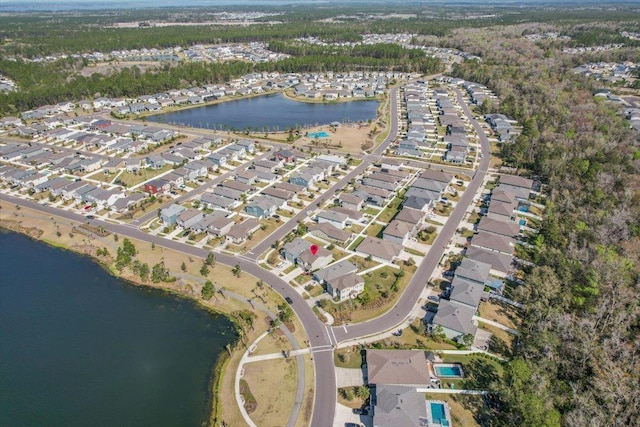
346	214
371	221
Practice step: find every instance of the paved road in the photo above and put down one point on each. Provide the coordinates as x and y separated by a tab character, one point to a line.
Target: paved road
411	294
319	335
325	389
328	195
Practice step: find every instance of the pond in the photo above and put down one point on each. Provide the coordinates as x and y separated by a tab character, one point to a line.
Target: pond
273	112
79	347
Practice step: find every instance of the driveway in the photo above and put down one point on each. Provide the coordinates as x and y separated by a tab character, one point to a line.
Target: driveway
348	377
345	415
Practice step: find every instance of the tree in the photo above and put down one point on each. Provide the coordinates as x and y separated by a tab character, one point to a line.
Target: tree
237	271
363	392
183	266
211	259
208	290
159	273
144	272
204	270
286	313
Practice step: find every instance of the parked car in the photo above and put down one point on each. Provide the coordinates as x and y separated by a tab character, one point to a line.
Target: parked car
360	411
289	300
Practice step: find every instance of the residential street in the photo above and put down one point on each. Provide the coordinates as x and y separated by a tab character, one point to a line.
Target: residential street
319	334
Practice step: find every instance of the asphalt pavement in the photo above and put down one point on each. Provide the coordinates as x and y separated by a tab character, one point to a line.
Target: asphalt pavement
320	336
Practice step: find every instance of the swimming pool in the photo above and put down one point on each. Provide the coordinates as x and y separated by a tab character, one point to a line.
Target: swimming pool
438	416
448	371
318	135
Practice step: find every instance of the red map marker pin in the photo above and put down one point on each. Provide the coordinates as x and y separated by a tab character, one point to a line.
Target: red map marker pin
313	249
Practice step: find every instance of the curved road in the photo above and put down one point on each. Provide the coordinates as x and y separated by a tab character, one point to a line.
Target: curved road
412	293
320	336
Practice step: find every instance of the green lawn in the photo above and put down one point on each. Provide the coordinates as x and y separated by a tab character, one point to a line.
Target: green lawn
375	230
391	210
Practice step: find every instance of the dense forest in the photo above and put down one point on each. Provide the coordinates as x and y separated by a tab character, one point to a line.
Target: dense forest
577	361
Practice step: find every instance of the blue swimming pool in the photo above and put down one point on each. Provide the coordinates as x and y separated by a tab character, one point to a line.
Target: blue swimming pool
522	222
438	416
318	135
448	371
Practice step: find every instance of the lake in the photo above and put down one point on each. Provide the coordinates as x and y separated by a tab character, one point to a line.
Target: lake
273	112
79	347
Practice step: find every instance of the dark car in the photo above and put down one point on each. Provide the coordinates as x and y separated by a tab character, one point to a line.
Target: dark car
289	300
360	411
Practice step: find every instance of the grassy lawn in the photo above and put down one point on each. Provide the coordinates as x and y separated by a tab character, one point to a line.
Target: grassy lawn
356	243
474	217
463	407
131	179
290	269
259	235
273	404
391	210
371	211
500	312
378	286
412	338
413	251
349	357
307	406
374	230
502	341
430	238
479	369
314	291
302	279
272	343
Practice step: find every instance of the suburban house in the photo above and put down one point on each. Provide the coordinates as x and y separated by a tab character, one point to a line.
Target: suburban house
494	242
216	224
379	249
189	218
249	146
455	319
239	233
473	270
214	201
266	166
337	219
490	225
286	156
263	206
397	232
501	211
351	201
500	264
247	176
279	194
399	406
345	287
330	232
335	270
466	292
218	159
169	215
399	367
516	184
292	250
310	262
154	161
125	203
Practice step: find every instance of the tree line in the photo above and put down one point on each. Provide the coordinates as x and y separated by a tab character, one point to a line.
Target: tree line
576	359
